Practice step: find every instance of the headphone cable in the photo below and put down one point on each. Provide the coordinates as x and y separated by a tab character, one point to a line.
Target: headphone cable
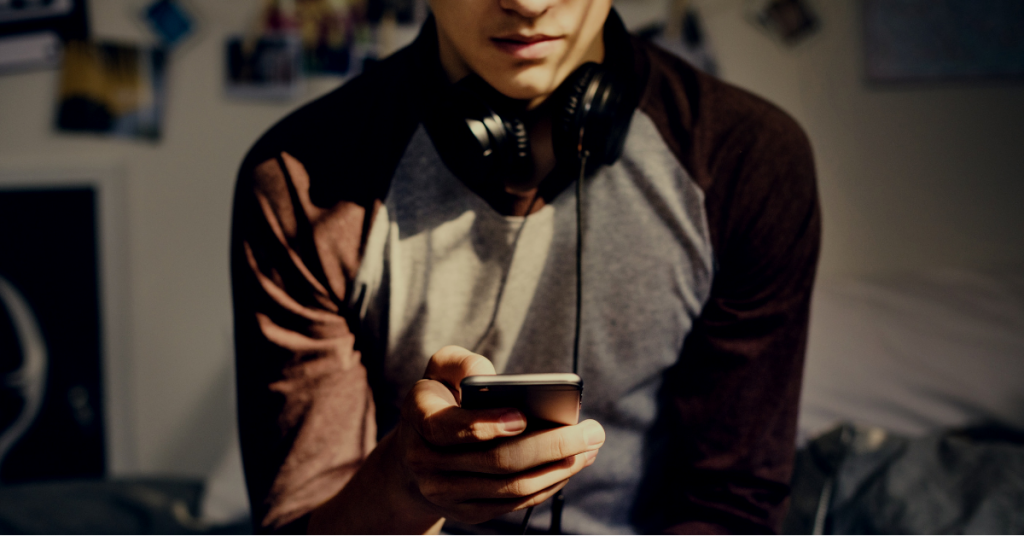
526	520
558	502
579	260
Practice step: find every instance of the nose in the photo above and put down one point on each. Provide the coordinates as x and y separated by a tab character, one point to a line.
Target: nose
530	9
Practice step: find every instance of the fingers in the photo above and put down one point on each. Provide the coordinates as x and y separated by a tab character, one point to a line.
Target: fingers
452	456
441	423
434	411
478	511
462	487
521	453
452	363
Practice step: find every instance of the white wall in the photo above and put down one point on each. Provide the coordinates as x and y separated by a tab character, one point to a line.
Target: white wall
910	178
178	195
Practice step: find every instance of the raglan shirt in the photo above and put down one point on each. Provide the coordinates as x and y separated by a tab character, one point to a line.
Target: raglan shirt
702	241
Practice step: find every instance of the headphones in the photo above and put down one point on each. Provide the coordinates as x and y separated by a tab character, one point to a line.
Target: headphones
482	138
482	130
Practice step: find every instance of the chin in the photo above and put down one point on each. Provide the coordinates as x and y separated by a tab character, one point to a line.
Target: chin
528	84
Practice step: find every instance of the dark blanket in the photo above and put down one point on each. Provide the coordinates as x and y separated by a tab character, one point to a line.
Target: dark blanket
137	506
866	481
849	481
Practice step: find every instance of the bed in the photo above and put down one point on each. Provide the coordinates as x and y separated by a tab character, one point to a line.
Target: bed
910	423
913	407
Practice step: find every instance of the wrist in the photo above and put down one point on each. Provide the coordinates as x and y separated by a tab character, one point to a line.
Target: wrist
380	498
402	491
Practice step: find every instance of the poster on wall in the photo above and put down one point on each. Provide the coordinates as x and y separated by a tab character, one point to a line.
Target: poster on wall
113	89
683	35
342	37
172	21
290	40
51	423
327	31
790	22
267	67
33	32
947	40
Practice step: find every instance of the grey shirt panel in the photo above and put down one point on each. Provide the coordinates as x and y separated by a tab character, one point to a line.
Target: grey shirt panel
647	271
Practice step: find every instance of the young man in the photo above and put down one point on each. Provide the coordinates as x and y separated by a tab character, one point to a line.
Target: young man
363	244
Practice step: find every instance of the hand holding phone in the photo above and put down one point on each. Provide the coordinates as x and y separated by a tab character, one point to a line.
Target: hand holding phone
471	465
547	400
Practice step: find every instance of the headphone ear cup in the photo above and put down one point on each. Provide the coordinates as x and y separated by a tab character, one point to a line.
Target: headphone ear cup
479	135
520	160
591	101
565	134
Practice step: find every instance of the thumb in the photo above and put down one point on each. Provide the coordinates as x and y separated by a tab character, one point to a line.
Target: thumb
453	363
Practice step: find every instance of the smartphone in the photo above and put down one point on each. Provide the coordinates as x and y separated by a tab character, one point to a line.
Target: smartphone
547	400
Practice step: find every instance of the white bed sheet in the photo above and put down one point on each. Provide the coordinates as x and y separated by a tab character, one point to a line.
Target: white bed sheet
916	354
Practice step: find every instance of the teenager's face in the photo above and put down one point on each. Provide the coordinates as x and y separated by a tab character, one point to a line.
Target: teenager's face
523	48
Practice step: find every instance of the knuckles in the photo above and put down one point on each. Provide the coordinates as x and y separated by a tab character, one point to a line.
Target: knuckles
411	410
514	487
433	491
479	431
562	447
502	460
428	429
418	460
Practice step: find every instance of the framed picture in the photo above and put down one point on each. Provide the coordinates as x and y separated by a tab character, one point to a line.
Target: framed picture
33	32
63	326
952	40
787	21
113	89
267	67
172	21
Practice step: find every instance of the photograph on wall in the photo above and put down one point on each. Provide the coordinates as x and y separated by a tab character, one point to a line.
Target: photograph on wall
172	21
51	412
266	67
327	30
787	21
337	37
683	35
112	89
926	40
33	32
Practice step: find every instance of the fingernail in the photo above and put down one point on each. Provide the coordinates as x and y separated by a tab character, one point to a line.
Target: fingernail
513	421
595	435
590	457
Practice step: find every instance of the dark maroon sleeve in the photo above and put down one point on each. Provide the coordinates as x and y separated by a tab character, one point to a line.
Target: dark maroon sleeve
732	399
304	203
306	413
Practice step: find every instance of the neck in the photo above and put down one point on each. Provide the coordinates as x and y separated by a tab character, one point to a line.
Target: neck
538	120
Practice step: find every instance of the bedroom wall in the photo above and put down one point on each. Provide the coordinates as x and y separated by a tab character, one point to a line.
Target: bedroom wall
910	177
178	199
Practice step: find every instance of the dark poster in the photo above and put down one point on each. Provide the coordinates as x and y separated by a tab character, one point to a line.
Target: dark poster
48	287
931	40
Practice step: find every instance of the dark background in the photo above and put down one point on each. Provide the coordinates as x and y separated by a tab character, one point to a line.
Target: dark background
52	262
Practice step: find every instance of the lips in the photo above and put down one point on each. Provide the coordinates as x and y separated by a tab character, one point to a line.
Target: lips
527	47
